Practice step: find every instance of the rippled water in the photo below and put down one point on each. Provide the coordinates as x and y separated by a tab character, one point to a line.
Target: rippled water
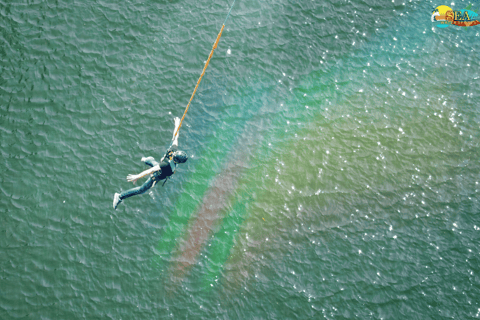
333	167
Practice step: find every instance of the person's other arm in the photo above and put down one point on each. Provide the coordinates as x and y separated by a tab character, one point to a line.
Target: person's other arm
175	138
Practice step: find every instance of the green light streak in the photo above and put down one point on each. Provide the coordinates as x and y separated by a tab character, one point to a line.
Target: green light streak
221	144
318	91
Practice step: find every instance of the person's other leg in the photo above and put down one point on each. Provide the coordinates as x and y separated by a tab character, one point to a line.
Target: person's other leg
149	161
138	190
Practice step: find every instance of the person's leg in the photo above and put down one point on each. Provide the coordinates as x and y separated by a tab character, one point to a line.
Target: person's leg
138	190
118	197
150	161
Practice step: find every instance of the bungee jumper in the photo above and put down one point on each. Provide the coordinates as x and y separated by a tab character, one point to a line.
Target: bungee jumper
158	171
169	162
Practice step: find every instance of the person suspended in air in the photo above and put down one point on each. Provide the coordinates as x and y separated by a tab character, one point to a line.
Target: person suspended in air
158	171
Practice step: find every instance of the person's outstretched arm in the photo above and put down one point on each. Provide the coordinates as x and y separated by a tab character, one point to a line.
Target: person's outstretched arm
134	177
175	139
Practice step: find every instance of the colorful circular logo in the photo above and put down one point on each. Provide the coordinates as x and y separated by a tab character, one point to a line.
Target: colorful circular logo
441	16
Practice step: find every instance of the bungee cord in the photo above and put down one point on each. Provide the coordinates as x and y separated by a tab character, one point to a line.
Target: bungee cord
134	177
203	72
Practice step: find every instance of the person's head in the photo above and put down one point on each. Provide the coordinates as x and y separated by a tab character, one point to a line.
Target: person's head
180	157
